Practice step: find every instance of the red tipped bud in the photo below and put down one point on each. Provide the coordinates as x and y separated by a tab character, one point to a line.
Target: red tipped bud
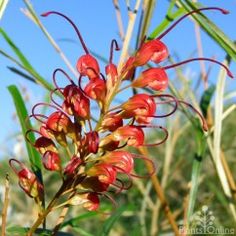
51	161
75	102
72	166
123	160
96	89
112	74
27	179
43	144
141	106
59	122
128	69
87	65
90	201
90	142
111	122
153	50
133	135
155	78
106	173
93	183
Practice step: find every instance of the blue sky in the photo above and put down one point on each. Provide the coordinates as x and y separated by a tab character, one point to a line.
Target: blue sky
97	23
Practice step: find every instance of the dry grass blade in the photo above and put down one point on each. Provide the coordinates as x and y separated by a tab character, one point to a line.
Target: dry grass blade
217	137
161	195
129	33
3	6
5	206
119	19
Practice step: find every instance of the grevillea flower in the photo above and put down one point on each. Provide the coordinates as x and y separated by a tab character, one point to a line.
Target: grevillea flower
72	166
76	103
27	179
155	78
121	160
153	50
51	161
141	107
96	89
43	144
111	122
133	135
89	201
87	65
105	173
96	159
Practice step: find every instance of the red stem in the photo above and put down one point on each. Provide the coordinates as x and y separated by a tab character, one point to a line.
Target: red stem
73	25
223	11
113	42
201	59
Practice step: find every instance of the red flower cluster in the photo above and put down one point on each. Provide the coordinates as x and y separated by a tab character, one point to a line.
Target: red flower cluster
96	164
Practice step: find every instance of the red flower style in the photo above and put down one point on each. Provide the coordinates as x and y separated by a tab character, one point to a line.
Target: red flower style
111	69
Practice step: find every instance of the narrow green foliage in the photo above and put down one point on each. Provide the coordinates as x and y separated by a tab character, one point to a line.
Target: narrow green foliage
170	16
75	221
21	73
206	99
34	158
23	61
199	155
109	223
211	29
16	230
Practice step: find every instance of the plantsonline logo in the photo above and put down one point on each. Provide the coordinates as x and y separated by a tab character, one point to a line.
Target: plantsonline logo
202	222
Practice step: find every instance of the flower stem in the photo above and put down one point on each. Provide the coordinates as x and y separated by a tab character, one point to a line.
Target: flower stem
42	217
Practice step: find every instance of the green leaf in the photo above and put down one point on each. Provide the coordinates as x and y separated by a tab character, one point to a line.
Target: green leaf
211	29
17	230
21	73
82	232
34	157
16	50
24	62
107	226
75	221
170	16
206	99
